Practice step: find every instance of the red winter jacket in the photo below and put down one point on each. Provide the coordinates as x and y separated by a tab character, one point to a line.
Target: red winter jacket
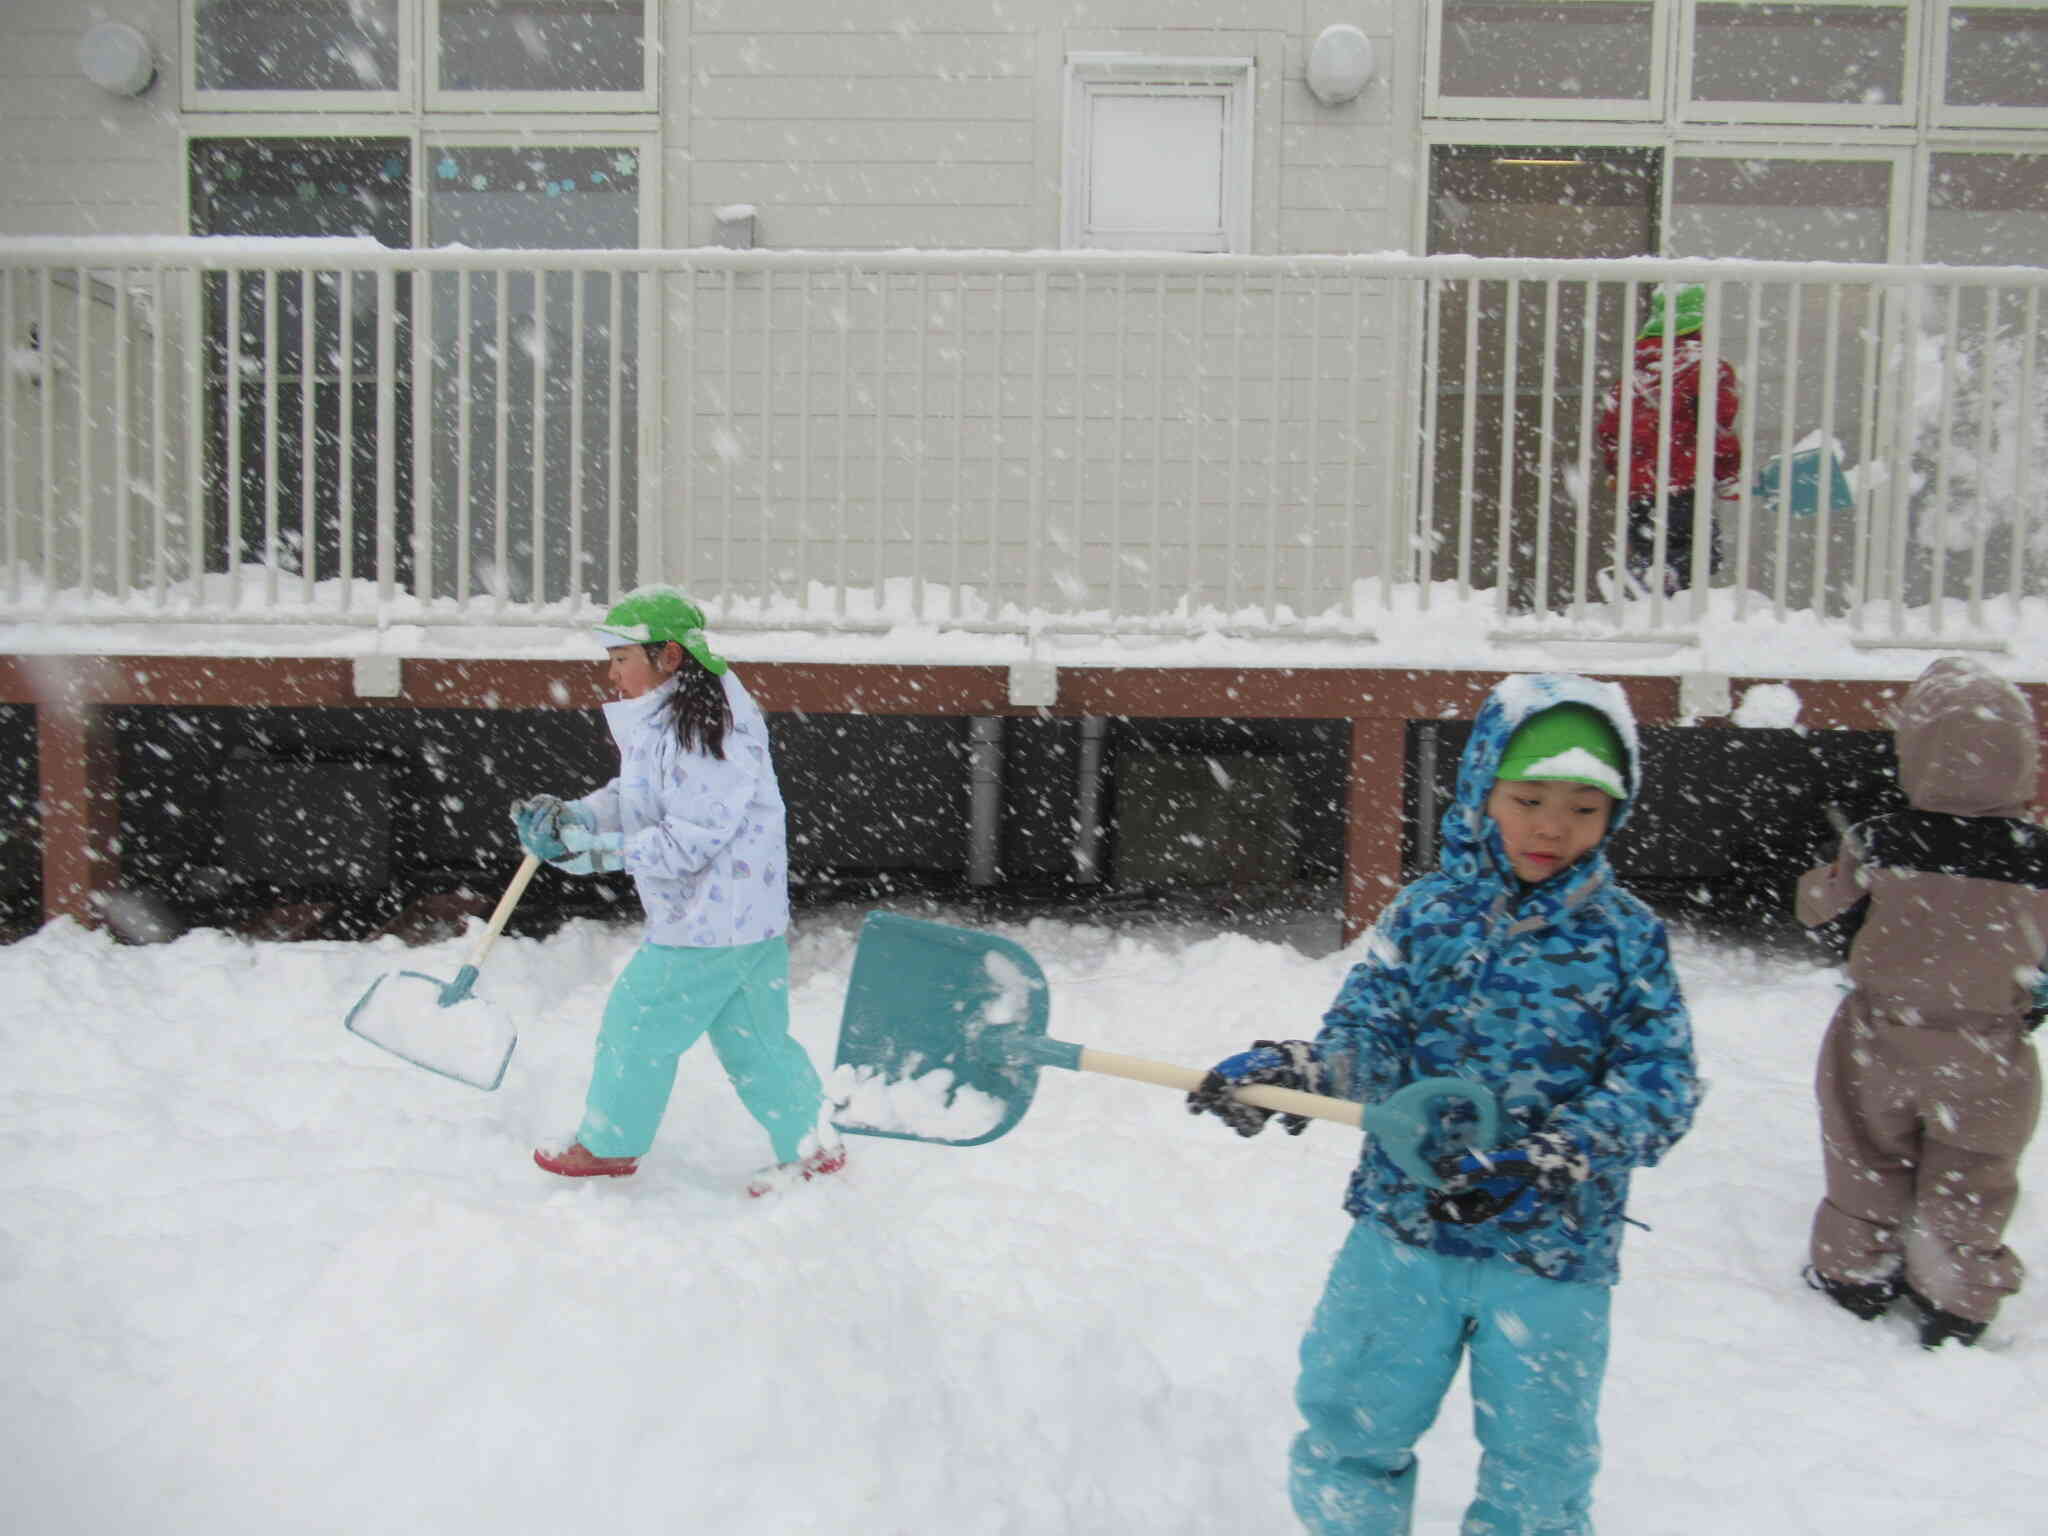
1648	384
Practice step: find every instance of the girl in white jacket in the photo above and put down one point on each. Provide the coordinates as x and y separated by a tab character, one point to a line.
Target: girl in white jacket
696	817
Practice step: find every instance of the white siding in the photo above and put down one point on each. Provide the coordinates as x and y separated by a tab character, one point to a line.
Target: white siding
77	161
861	123
83	466
938	122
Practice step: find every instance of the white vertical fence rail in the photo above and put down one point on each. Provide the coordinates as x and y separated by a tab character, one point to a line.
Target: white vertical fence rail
329	432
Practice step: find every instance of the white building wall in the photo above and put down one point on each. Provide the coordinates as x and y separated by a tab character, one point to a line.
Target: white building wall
75	160
883	124
866	124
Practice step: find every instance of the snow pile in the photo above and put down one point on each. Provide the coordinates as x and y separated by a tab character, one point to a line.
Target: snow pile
1767	706
931	1105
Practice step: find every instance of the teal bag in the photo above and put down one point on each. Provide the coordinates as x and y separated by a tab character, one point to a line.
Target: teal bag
1807	472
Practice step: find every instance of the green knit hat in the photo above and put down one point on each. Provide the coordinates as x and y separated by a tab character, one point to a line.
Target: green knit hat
1687	307
653	615
1571	744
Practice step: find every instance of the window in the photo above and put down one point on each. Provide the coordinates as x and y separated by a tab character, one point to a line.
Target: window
563	355
1992	62
364	55
1986	209
1834	63
1567	201
289	463
1158	153
533	196
283	53
1558	58
500	53
1812	205
1537	202
292	364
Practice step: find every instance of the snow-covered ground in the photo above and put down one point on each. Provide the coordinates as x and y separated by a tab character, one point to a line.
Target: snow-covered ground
256	1276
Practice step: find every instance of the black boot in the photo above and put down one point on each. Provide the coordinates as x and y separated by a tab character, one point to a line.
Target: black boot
1867	1299
1938	1325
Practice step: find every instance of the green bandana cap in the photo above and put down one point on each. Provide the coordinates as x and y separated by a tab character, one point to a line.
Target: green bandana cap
1688	308
654	615
1571	744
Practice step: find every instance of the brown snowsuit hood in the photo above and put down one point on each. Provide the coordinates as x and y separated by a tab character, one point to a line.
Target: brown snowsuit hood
1966	742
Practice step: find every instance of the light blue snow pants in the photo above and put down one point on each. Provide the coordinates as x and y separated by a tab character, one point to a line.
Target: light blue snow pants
1380	1355
665	998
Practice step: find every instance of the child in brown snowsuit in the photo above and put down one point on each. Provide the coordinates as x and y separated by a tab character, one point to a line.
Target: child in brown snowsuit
1928	1085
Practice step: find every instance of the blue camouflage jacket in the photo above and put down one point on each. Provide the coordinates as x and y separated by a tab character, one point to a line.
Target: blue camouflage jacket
1559	996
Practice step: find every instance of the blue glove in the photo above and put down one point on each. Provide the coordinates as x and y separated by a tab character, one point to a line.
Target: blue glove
589	851
539	824
1269	1063
1509	1183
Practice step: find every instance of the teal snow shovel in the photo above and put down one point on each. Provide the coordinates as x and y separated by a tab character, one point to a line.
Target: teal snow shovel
944	1032
443	1025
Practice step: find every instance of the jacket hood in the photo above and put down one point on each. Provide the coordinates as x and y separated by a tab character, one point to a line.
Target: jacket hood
1966	742
1470	842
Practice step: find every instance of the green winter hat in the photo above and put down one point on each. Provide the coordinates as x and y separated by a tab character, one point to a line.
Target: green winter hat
1688	307
1571	744
652	615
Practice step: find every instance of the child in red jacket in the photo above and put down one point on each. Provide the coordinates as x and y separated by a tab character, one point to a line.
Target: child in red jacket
1686	311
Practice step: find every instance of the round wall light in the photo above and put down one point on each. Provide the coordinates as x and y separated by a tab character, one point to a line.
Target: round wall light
116	58
1339	64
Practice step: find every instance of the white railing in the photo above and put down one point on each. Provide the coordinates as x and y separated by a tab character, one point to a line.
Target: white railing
1011	442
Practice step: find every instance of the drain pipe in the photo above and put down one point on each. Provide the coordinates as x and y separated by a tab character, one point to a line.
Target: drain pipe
1425	797
1088	801
984	798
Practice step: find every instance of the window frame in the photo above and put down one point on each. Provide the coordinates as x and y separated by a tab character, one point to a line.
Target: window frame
1992	146
1234	78
440	98
1903	114
351	126
645	142
403	97
418	88
1614	109
1899	157
423	138
1939	113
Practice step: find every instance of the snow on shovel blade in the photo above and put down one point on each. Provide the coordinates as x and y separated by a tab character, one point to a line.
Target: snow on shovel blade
437	1025
440	1026
934	1042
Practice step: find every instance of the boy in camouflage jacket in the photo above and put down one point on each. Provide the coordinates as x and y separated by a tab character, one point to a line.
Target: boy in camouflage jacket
1519	964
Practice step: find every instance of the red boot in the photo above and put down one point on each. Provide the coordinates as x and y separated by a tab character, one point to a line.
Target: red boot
788	1175
578	1162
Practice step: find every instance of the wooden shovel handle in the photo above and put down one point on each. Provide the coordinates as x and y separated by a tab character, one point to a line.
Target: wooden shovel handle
1167	1075
506	903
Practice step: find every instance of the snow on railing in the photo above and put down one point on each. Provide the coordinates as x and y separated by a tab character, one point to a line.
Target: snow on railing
1101	443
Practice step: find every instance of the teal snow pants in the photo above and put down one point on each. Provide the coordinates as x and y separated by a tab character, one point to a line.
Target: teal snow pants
1380	1355
664	999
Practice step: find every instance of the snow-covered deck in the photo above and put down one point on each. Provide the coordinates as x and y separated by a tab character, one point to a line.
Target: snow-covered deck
975	484
1085	450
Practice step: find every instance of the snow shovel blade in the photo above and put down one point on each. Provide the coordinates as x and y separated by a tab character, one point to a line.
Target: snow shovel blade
945	1029
441	1025
428	1022
934	1041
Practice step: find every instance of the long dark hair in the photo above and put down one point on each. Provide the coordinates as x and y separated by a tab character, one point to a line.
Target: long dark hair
698	706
